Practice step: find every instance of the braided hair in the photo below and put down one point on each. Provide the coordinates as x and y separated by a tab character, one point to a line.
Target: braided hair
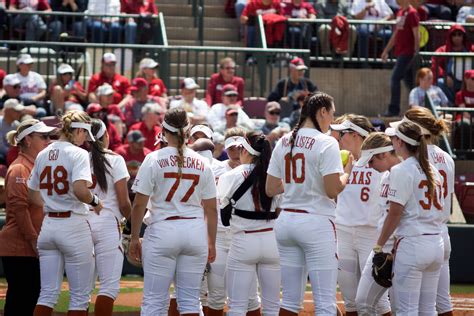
311	106
70	117
178	118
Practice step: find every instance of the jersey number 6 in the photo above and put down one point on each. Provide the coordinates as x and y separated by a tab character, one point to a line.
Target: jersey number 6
185	176
290	168
55	180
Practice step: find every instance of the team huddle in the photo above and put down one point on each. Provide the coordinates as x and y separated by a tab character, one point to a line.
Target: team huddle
260	223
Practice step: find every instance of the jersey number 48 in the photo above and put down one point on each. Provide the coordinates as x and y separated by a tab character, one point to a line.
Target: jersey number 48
54	180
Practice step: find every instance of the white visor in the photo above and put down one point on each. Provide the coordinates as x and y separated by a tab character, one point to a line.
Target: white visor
424	131
39	127
349	125
390	131
160	138
85	126
102	130
366	155
203	129
233	141
172	128
405	138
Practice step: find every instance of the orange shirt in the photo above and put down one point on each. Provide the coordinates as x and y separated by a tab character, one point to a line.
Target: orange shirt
23	220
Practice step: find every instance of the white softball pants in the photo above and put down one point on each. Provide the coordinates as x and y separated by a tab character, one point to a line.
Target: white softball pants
416	271
168	248
250	253
107	240
354	245
66	244
371	298
443	297
307	241
217	293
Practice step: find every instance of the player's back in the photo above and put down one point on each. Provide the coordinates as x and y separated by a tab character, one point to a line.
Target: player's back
314	156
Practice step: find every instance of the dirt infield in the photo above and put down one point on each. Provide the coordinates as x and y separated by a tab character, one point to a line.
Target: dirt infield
463	303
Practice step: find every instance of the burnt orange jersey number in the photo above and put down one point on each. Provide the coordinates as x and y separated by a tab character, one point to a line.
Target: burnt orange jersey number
185	176
291	171
426	204
54	180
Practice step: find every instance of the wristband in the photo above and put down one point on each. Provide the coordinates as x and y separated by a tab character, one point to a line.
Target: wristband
377	249
95	201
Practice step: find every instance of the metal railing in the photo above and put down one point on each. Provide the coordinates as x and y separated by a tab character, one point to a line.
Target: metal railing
79	27
461	137
176	62
198	14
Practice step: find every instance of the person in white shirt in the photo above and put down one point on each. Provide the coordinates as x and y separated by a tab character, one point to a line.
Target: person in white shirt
371	10
216	115
110	176
416	217
253	247
177	186
377	153
357	214
33	87
60	180
197	109
306	167
104	30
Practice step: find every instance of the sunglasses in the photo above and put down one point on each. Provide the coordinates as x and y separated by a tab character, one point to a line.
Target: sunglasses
233	114
344	132
229	68
274	112
17	86
457	34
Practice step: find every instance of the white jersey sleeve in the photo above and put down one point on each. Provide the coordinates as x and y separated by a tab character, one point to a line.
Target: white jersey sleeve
274	167
144	181
330	161
81	167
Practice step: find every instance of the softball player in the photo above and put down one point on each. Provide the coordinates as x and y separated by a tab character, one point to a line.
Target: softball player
357	214
306	167
110	185
61	177
216	278
179	184
416	204
378	153
253	247
432	129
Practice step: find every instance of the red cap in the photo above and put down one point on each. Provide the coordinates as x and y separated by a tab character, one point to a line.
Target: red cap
138	83
93	108
468	74
2	75
229	89
298	63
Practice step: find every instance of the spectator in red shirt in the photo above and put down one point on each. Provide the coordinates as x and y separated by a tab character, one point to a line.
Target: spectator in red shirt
33	24
465	97
146	8
406	40
119	83
105	93
140	97
464	134
65	91
156	87
150	126
299	35
263	7
444	67
96	111
219	80
133	152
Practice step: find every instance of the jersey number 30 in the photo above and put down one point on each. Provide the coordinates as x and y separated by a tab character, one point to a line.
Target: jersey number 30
54	180
291	171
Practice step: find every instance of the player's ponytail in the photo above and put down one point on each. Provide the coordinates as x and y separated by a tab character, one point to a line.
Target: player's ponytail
260	144
100	165
426	119
420	151
176	123
311	105
11	136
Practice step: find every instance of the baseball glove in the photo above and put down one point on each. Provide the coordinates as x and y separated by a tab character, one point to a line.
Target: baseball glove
126	247
382	268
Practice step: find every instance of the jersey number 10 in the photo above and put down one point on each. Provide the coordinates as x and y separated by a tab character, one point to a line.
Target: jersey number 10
291	171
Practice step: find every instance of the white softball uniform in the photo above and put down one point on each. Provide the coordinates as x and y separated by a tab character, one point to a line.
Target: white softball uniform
65	241
357	215
419	250
253	248
445	165
106	233
175	242
216	278
305	229
371	298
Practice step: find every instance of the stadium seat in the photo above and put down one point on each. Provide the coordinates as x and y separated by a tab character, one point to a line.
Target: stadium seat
464	189
51	121
254	107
